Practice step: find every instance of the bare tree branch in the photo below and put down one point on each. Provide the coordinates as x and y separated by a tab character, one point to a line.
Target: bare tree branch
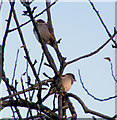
25	49
87	110
41	63
28	89
9	88
48	55
22	103
6	33
34	17
49	21
40	116
86	90
107	58
94	52
1	3
15	67
26	97
3	47
72	109
14	99
60	107
101	20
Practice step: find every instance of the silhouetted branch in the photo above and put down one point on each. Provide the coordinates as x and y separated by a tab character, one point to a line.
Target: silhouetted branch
15	67
107	58
1	3
94	52
3	47
44	82
24	46
48	55
41	63
39	117
9	89
49	21
61	59
54	101
72	109
25	96
105	27
22	103
34	17
13	113
105	99
6	33
86	109
14	99
60	107
28	85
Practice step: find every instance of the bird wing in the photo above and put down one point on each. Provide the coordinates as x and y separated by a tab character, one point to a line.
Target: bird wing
51	32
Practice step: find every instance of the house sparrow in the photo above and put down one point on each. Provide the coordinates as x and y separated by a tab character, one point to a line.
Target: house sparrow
47	35
67	81
45	32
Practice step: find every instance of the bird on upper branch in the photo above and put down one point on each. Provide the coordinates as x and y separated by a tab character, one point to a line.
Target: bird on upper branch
45	32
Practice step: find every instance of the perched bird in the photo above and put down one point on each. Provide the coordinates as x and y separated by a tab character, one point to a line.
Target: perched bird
67	81
45	32
47	36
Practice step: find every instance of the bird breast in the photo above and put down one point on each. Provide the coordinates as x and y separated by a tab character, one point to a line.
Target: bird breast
44	32
66	82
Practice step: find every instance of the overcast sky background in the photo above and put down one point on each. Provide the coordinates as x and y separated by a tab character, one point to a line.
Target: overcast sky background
81	32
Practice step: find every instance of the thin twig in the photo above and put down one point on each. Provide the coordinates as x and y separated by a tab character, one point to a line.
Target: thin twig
39	116
112	72
26	90
105	99
54	101
49	21
3	47
101	20
72	109
42	58
60	106
15	67
9	88
86	109
44	47
1	3
31	98
13	113
108	58
28	82
94	52
6	33
34	17
26	97
22	103
25	49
